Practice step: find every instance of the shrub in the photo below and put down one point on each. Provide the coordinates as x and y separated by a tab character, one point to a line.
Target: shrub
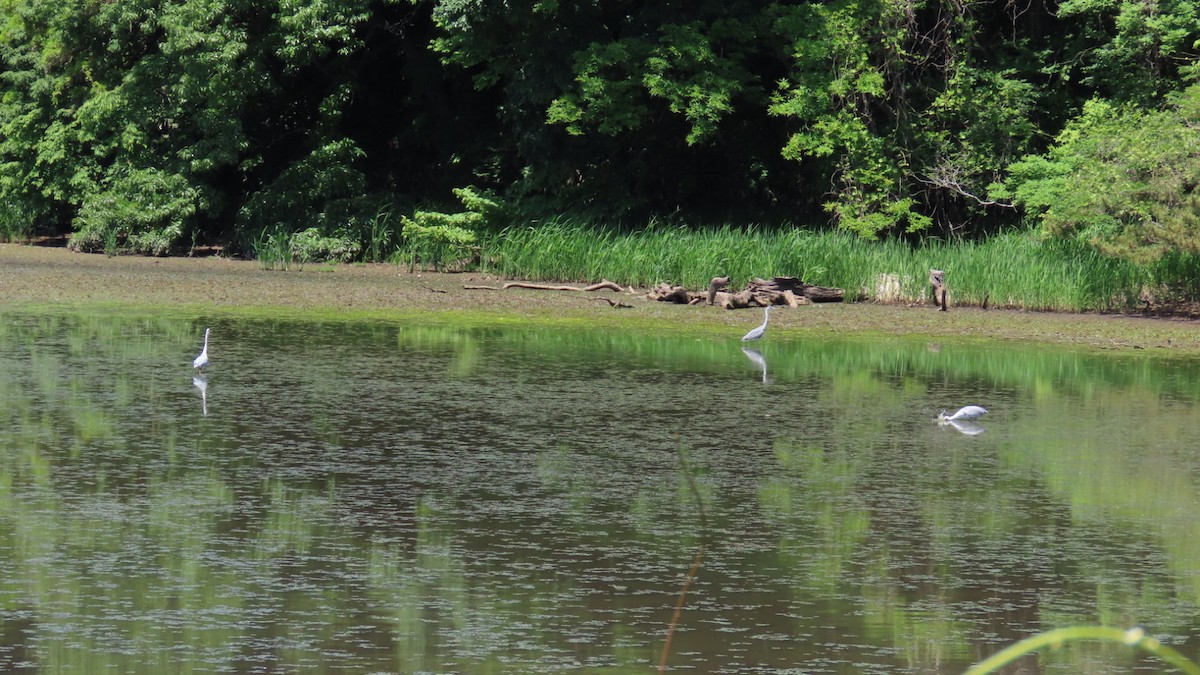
312	246
15	225
140	211
435	239
438	239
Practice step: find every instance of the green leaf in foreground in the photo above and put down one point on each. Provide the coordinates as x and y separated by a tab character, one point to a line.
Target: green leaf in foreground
1134	637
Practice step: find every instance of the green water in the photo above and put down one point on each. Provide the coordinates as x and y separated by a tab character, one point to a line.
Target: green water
368	498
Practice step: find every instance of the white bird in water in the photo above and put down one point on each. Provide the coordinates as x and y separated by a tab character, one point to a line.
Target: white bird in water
757	333
202	360
971	412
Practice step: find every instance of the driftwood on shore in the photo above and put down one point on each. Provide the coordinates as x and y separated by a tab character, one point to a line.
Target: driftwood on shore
613	303
788	291
604	285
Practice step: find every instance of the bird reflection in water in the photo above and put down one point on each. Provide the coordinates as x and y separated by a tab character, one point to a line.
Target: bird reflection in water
201	383
968	428
757	359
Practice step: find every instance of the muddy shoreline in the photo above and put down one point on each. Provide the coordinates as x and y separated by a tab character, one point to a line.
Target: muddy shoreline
49	276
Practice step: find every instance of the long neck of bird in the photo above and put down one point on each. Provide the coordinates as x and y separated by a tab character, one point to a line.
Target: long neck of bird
205	341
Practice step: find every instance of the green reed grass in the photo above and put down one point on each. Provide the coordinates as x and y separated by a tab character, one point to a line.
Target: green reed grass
381	235
1015	270
273	249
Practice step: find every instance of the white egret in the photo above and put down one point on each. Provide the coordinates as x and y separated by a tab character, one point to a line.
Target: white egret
202	360
970	412
757	333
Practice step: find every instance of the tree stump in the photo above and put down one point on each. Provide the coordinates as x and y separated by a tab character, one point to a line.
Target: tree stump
717	284
937	279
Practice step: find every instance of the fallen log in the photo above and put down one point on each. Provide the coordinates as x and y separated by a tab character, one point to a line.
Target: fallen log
602	285
740	300
538	287
792	301
665	292
823	293
780	285
788	291
469	287
776	284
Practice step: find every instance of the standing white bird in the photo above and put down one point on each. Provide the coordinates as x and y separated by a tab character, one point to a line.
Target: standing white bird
971	412
757	333
202	360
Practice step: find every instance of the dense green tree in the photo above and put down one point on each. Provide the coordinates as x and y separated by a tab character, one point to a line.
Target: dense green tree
1126	51
884	109
627	107
151	124
1121	178
234	107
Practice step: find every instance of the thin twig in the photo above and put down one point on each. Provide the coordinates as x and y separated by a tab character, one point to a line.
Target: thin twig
695	569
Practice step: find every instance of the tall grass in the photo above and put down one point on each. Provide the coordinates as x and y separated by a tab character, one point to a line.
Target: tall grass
273	249
381	235
1011	270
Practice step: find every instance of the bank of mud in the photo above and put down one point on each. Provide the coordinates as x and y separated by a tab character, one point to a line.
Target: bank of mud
42	276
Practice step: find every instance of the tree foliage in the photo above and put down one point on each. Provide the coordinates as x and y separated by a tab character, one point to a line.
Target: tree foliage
153	124
1123	179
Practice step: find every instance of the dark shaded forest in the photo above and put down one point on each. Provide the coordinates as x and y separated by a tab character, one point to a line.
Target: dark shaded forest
151	126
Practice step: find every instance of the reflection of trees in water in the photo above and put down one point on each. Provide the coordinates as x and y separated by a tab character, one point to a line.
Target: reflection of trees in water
338	523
